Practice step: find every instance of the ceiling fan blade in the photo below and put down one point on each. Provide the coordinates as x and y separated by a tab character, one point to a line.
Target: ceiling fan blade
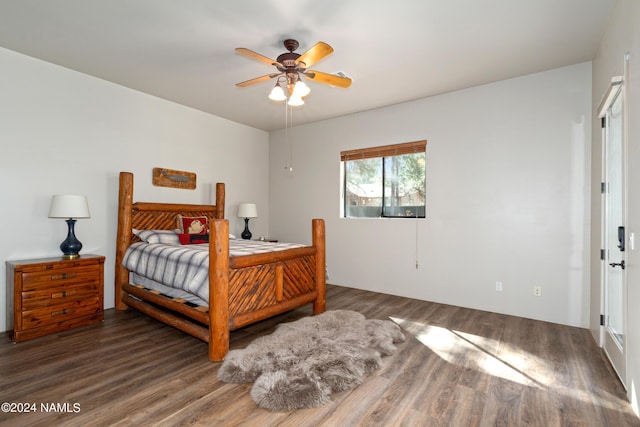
315	54
257	80
256	56
330	79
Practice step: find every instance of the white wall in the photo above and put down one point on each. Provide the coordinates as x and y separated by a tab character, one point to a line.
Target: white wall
63	132
508	168
622	37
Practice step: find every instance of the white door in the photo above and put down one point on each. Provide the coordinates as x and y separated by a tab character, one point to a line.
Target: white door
614	283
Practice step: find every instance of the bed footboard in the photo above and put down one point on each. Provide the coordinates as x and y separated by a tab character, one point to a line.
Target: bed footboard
247	289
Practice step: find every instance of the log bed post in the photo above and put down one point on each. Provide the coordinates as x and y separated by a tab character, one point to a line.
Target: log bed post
218	290
123	239
319	305
220	195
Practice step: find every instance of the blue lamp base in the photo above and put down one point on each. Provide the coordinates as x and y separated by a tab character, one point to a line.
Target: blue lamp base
71	246
246	234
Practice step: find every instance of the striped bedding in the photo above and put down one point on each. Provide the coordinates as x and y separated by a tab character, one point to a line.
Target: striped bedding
185	268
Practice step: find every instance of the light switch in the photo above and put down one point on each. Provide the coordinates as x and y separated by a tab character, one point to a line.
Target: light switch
632	241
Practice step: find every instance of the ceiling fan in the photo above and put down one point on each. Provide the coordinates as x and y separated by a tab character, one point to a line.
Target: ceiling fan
291	66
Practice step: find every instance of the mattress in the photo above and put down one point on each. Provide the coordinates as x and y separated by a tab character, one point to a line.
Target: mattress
182	271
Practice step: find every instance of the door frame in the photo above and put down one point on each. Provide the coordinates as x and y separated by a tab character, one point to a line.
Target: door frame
618	359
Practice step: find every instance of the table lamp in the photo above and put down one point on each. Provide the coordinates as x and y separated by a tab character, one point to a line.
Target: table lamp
246	211
70	207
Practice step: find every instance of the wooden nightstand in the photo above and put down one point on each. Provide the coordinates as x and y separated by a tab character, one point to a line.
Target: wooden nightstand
52	294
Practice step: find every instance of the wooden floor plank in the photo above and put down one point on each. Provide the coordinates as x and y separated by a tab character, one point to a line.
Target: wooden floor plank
457	367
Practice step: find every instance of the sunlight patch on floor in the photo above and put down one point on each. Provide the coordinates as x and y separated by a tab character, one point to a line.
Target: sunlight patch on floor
471	351
634	399
498	359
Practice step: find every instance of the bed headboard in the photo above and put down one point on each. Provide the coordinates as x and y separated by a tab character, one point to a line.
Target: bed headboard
161	216
156	216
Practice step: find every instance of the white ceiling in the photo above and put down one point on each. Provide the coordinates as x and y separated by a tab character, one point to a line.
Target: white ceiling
395	51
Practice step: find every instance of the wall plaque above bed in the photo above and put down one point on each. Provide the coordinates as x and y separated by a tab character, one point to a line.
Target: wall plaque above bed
176	179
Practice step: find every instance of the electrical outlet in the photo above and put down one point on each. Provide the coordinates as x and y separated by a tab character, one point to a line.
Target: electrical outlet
499	286
537	291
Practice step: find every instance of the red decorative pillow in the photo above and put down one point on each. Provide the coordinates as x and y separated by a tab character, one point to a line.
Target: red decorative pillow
193	224
193	239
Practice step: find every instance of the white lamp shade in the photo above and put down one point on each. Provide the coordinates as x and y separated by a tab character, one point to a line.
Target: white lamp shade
247	210
277	93
295	101
301	89
69	206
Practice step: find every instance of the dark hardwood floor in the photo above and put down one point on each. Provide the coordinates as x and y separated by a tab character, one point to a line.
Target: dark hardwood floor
458	367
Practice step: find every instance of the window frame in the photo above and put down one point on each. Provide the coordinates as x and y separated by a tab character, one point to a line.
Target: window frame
381	152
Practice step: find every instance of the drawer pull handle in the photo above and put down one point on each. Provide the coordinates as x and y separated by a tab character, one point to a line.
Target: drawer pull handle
58	313
63	276
63	294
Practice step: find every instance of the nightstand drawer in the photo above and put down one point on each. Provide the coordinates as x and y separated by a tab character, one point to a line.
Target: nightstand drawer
60	276
60	313
55	295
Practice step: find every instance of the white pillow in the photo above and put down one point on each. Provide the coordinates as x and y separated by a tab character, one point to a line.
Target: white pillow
167	237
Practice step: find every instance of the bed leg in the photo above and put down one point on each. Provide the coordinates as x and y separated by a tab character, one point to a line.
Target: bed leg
218	290
319	305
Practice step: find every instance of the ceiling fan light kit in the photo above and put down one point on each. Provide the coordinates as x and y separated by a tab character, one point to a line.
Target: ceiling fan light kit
291	66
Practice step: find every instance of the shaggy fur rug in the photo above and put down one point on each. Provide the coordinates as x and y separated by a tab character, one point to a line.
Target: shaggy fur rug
303	362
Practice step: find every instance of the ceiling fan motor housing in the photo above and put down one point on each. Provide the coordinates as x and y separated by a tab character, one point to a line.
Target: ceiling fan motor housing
288	59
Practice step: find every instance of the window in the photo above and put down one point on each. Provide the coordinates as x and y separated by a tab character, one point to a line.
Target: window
384	181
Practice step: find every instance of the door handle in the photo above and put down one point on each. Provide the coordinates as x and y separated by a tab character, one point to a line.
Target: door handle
621	238
617	264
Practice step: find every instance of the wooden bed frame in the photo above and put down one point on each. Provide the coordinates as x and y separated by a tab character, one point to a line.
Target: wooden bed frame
242	289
